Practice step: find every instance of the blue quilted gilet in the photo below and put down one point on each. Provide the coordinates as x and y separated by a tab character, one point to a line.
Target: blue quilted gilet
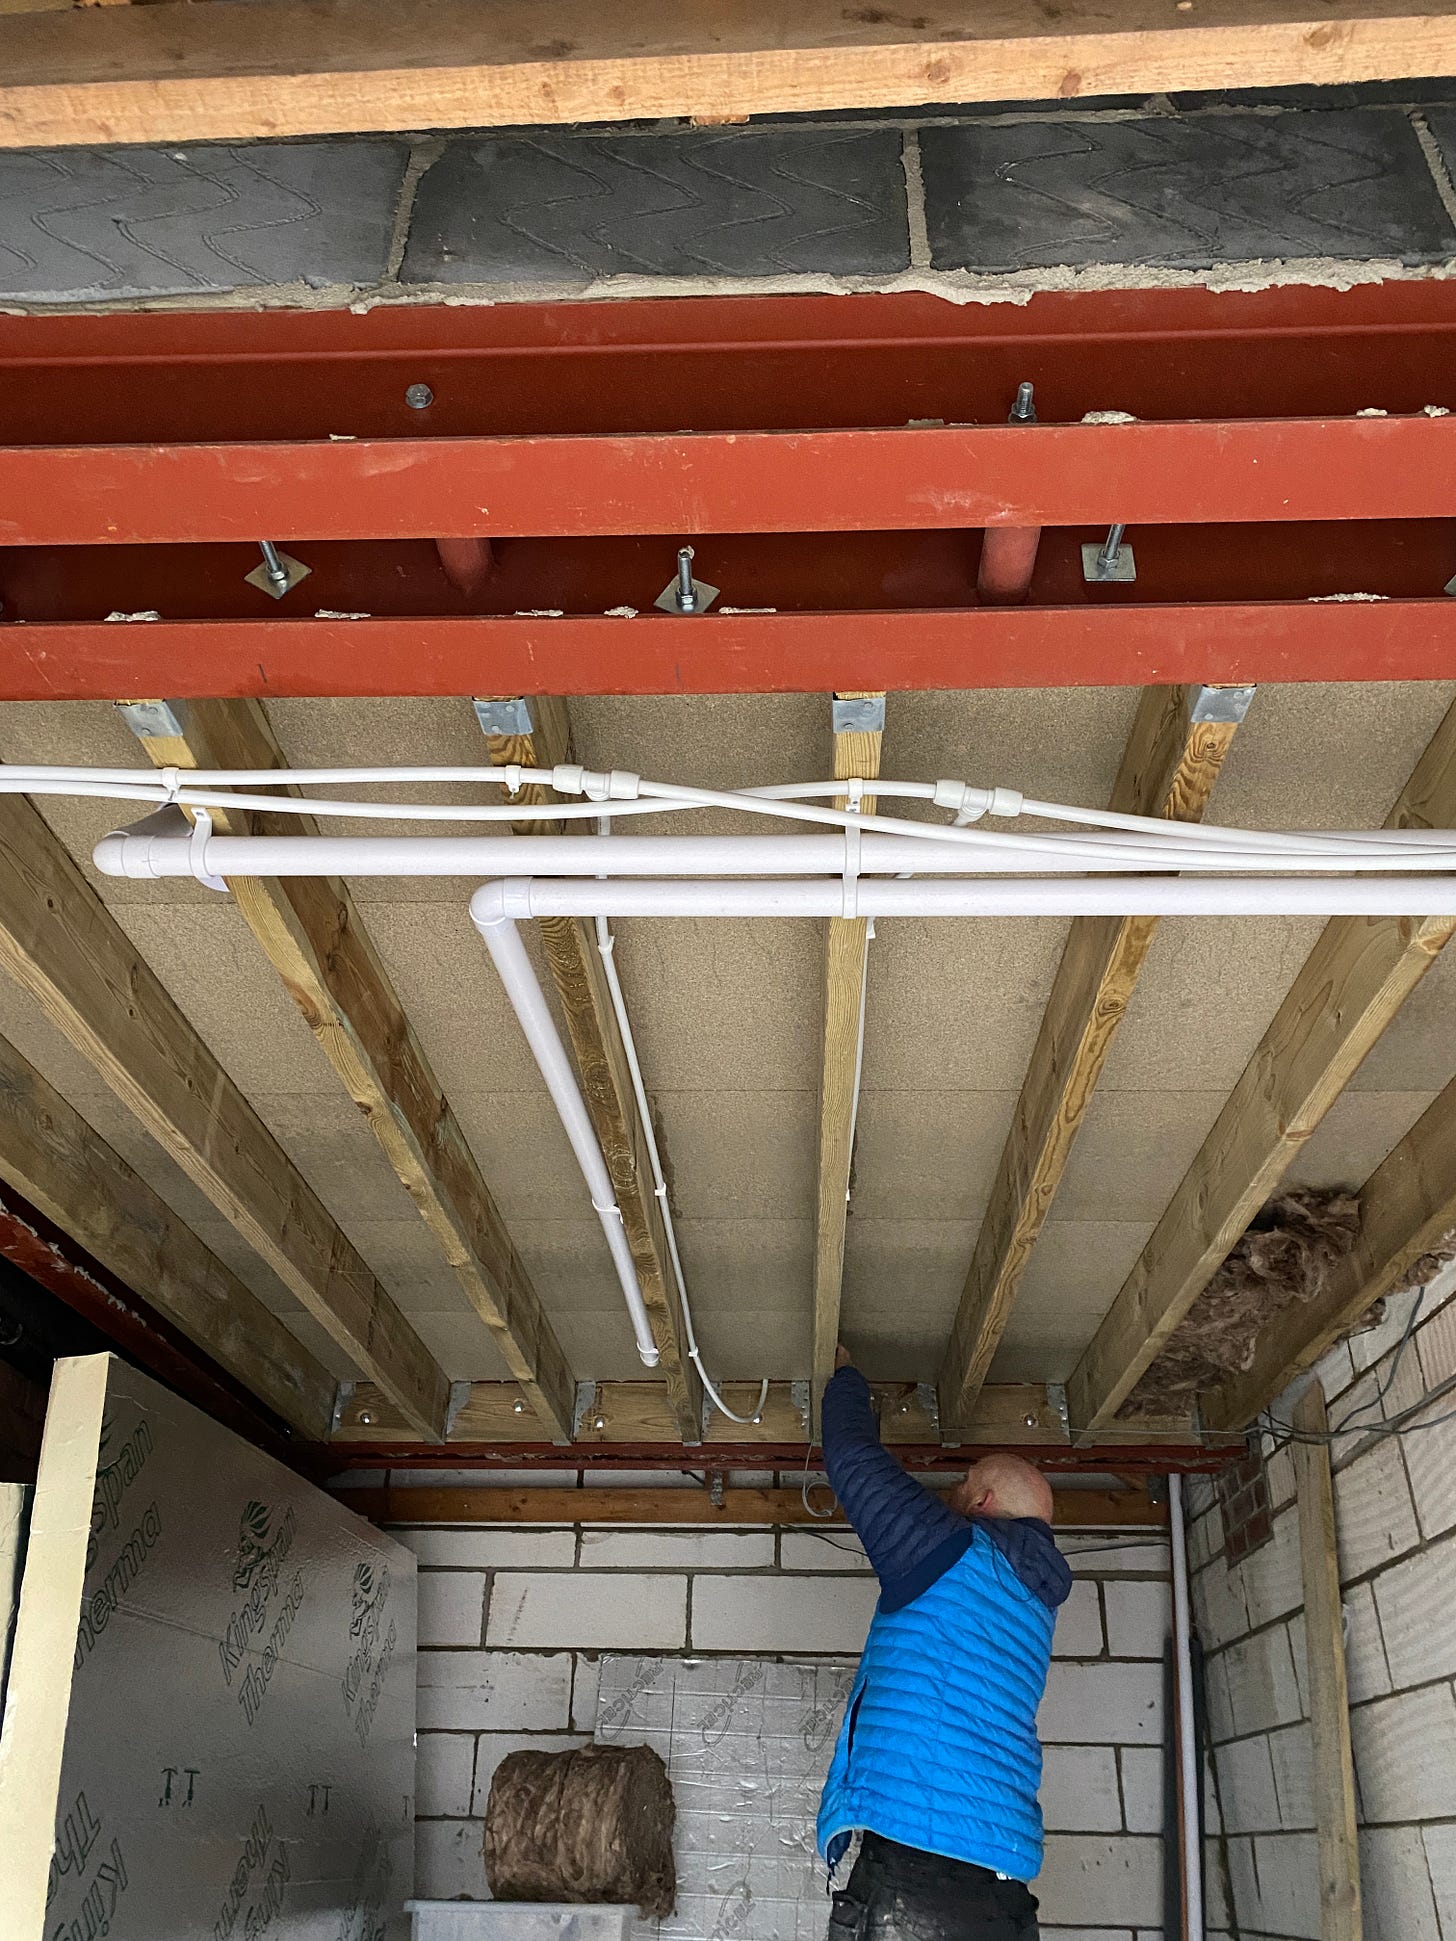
938	1749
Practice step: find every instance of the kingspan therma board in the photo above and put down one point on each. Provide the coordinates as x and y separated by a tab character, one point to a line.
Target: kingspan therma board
210	1717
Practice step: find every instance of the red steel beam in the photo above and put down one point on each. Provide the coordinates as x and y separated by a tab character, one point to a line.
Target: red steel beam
742	653
758	482
1131	1459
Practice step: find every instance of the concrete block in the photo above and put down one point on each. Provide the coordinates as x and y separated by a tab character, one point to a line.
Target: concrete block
1205	1536
1142	1788
1402	1748
1139	1618
449	1864
1217	1908
1212	1812
598	1612
833	1550
1012	195
1091	1878
1246	1786
1079	1622
1121	1558
1288	1865
483	1478
1243	1882
1220	1706
1280	1473
563	208
677	1550
452	1606
444	1774
84	225
494	1690
492	1747
1291	1752
1218	1604
1262	1688
1366	1667
1436	1344
790	1614
475	1549
1273	1584
1414	1602
1397	1884
1430	1461
1079	1790
1102	1704
1374	1517
1440	1846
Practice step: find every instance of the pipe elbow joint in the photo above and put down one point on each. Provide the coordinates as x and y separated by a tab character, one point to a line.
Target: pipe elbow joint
505	900
113	854
649	1357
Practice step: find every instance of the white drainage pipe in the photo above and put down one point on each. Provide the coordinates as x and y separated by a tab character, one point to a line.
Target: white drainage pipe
508	953
1187	1735
1134	896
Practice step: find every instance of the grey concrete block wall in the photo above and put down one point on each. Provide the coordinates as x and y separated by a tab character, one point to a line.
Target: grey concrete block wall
1036	193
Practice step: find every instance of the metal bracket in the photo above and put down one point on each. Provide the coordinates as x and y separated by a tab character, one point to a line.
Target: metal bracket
278	573
928	1396
1056	1394
707	1418
343	1396
504	717
801	1394
154	720
459	1396
1219	703
715	1489
586	1401
863	714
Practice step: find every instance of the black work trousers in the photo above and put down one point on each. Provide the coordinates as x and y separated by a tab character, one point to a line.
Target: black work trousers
897	1893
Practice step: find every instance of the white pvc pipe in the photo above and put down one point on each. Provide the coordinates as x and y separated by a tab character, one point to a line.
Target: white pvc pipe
1152	896
146	853
1187	1734
508	953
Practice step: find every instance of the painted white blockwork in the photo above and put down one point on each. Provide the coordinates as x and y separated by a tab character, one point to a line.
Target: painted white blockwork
1395	1501
553	1601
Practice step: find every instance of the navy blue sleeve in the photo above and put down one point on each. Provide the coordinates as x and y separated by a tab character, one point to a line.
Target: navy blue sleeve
910	1535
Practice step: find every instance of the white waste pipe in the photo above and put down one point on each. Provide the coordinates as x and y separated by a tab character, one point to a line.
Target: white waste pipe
1152	896
508	953
147	853
1187	1733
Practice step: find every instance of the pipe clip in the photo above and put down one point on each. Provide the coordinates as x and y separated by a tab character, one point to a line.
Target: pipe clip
197	841
853	797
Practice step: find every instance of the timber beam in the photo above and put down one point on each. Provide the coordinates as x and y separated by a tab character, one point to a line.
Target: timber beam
606	1080
1351	986
313	934
858	737
1173	757
66	950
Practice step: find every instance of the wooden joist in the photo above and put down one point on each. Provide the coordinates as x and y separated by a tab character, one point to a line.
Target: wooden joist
313	934
856	753
1354	981
51	1156
1327	1692
606	1081
64	947
291	67
1074	1509
1407	1208
1175	751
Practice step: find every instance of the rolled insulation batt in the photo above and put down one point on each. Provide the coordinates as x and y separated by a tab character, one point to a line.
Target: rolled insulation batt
591	1825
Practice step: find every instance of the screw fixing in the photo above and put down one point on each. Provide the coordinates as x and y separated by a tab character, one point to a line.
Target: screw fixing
419	397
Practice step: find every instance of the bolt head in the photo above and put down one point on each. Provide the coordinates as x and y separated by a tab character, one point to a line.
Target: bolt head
1029	1420
520	1408
600	1423
419	397
366	1417
757	1420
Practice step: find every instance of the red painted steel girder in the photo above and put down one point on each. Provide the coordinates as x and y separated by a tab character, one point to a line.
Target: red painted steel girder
757	482
1142	1458
750	653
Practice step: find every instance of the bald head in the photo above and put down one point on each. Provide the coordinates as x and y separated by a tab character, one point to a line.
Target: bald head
1003	1485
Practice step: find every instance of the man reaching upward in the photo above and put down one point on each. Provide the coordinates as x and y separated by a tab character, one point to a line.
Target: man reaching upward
938	1762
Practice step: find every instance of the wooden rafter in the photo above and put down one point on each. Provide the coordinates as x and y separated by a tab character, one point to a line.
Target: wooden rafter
1407	1208
213	73
1174	753
64	947
53	1157
1327	1690
846	949
1354	981
313	934
606	1081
